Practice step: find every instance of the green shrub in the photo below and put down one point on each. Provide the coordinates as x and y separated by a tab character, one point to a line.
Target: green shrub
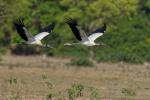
44	76
94	93
127	34
81	62
12	80
76	90
128	92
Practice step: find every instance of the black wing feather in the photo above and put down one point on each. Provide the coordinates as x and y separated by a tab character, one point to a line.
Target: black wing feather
49	28
72	24
19	27
101	29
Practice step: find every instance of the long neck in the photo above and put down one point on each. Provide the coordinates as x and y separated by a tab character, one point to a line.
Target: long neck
102	44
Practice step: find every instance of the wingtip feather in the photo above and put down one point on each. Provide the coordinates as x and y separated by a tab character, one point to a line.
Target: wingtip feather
71	21
18	22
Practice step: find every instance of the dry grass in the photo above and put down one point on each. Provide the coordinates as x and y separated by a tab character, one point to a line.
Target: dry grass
26	78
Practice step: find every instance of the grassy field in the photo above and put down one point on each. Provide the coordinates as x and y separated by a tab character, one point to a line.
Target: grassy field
44	78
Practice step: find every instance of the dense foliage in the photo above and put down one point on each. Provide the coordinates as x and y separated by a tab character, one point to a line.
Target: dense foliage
128	31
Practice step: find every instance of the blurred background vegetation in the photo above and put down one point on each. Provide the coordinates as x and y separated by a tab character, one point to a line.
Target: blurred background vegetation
128	31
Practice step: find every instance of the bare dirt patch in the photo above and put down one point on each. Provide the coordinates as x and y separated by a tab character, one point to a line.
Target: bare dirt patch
25	76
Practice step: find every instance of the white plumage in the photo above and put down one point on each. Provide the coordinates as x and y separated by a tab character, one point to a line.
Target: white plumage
27	37
81	35
40	36
94	36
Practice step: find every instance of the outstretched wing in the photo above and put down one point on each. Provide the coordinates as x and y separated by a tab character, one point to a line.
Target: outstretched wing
41	35
21	30
76	31
46	31
49	28
97	33
83	35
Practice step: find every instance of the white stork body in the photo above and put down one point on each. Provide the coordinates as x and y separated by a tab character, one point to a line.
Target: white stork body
88	43
27	37
82	37
37	38
36	42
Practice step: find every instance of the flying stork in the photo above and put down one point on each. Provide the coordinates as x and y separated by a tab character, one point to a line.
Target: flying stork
81	35
27	37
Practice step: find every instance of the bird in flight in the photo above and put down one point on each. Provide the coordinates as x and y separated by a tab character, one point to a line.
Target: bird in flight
28	38
82	37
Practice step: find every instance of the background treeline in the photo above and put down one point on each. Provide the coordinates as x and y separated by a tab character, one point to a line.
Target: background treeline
128	23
